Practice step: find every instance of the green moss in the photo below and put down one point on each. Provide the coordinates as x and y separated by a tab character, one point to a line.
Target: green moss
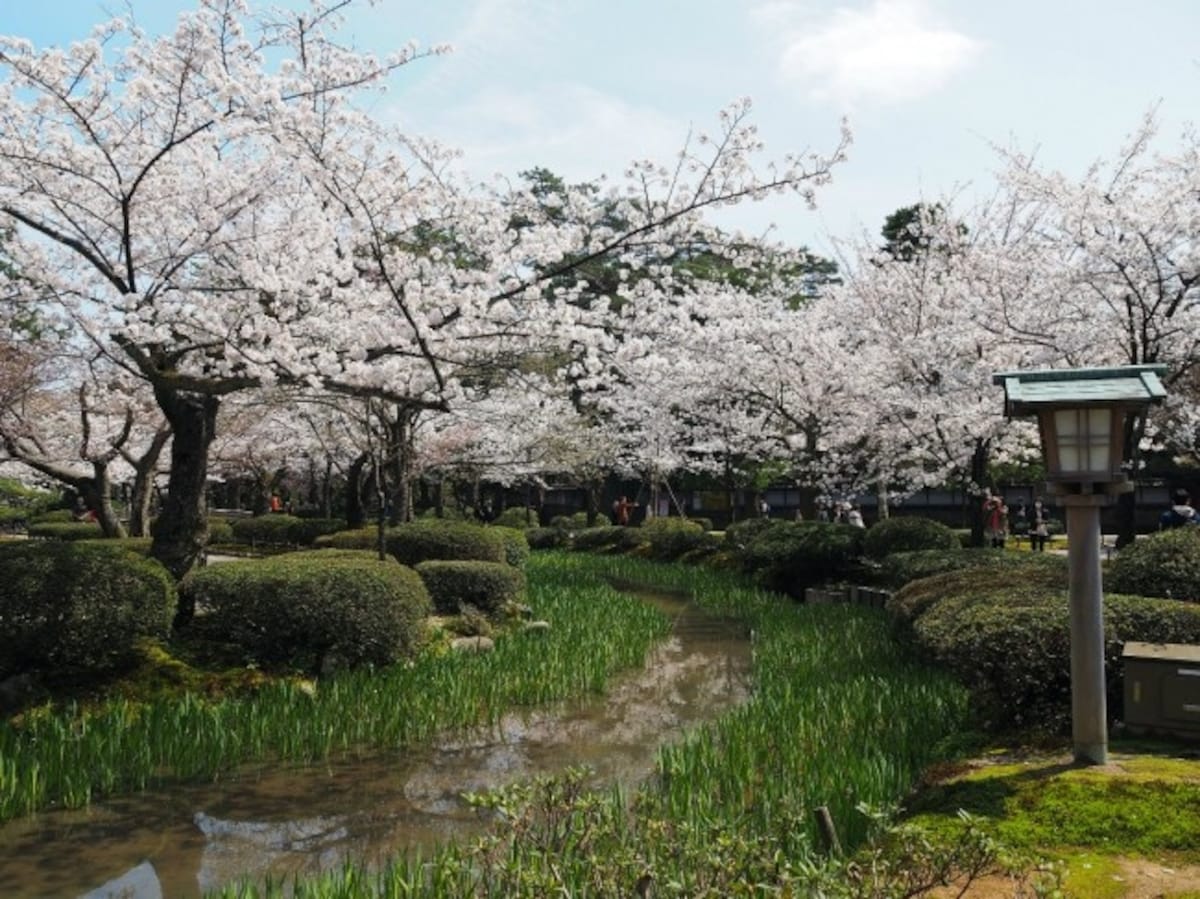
1145	805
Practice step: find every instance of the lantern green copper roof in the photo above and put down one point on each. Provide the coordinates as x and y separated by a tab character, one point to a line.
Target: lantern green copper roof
1027	391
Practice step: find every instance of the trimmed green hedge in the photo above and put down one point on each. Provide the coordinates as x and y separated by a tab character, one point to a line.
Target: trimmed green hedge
313	609
1166	564
604	538
426	539
1006	636
272	529
577	521
53	516
80	606
789	556
673	538
545	538
306	530
139	545
900	568
360	538
739	534
516	546
65	530
907	534
487	586
516	517
220	531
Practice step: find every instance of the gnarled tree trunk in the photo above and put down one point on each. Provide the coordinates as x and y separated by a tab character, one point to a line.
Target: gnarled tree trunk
182	527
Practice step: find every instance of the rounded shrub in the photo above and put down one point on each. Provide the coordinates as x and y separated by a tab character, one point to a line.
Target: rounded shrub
907	534
219	531
673	538
897	569
790	556
432	538
739	534
359	538
1166	564
272	529
545	538
577	521
599	539
65	530
312	609
139	545
1006	637
303	531
516	546
488	586
79	606
517	517
53	516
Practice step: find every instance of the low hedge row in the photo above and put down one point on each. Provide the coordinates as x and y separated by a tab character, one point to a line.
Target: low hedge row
1005	633
282	530
79	606
516	546
789	556
897	569
907	534
313	609
65	530
674	538
430	538
1166	564
487	586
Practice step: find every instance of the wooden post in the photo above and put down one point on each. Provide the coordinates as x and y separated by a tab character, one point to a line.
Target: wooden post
829	837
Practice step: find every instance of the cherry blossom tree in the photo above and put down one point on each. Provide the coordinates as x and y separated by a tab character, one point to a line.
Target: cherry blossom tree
212	210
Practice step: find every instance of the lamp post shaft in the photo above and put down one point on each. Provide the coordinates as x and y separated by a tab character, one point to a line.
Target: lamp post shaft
1089	713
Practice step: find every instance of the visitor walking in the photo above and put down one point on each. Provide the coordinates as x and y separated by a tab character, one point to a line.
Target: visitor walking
1039	527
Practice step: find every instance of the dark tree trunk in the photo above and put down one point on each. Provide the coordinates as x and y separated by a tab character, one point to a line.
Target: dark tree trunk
98	495
356	513
144	469
182	526
327	489
594	489
979	463
403	451
1126	511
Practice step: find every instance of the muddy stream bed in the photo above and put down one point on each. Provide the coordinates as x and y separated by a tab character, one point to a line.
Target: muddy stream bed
276	820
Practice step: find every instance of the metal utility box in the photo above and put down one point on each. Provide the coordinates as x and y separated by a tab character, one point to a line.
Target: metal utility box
1162	689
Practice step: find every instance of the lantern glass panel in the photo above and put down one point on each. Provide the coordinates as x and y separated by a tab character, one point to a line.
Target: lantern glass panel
1084	438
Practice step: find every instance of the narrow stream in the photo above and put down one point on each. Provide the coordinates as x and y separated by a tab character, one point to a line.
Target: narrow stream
190	839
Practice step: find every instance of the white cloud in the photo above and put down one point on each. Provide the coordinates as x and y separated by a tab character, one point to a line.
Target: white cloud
891	50
572	129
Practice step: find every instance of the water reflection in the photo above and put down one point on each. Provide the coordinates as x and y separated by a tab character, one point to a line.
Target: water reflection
277	820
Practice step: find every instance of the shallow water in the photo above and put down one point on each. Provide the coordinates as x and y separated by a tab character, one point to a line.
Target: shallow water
278	820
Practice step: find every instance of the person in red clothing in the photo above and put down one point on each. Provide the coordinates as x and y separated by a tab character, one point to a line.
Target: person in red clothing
995	520
622	509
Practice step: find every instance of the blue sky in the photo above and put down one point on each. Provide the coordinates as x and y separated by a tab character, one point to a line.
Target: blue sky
583	86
